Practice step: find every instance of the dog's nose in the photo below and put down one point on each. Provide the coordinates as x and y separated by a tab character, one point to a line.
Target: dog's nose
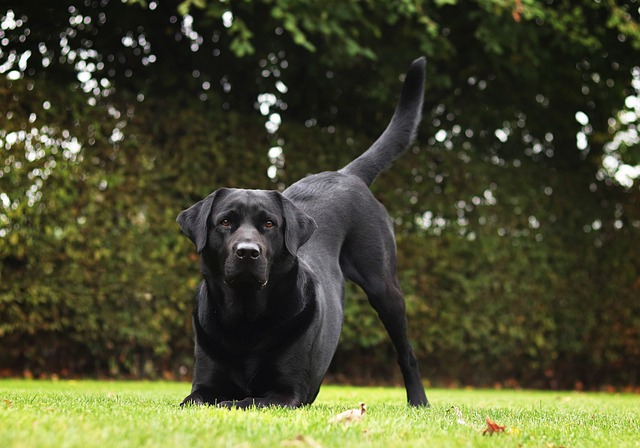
245	250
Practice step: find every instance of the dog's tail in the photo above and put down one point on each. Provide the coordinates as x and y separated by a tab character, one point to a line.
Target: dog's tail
399	133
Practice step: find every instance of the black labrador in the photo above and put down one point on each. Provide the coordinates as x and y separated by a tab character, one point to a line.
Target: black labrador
268	313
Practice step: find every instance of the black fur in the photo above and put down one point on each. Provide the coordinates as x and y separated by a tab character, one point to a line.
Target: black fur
268	313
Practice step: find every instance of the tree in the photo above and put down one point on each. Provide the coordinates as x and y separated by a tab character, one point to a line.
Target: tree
514	213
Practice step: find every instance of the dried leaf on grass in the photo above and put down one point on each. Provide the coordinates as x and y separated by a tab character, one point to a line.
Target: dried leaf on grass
350	415
492	427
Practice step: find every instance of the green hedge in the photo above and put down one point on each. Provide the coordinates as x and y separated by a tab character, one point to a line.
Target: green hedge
96	278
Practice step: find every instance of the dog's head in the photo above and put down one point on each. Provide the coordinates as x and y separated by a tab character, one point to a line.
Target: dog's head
243	234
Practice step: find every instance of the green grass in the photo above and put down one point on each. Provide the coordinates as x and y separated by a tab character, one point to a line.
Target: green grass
145	414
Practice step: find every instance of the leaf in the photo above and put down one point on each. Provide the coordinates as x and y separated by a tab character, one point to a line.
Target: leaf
517	11
492	427
350	415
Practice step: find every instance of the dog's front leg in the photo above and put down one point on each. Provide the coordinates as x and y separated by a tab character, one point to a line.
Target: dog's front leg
210	385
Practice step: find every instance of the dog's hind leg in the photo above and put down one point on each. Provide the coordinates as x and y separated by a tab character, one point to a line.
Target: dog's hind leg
388	302
375	273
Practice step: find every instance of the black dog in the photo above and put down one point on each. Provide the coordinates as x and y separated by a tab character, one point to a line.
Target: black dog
268	314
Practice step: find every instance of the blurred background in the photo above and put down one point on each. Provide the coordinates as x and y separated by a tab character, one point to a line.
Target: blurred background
517	210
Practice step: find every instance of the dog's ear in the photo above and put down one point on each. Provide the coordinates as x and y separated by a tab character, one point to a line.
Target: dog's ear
194	221
298	226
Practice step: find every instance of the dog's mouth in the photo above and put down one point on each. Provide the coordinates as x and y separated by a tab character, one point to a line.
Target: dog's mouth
245	280
246	273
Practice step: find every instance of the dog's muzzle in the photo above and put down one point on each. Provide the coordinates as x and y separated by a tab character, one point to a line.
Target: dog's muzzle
246	266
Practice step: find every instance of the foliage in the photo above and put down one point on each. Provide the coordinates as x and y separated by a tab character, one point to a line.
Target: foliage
87	414
516	225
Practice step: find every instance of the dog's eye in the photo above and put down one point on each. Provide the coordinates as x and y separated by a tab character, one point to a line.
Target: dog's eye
268	224
225	223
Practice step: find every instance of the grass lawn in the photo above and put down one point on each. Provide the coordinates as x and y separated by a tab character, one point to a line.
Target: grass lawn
135	414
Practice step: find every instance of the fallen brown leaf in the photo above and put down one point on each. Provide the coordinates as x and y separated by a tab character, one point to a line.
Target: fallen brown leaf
492	427
350	415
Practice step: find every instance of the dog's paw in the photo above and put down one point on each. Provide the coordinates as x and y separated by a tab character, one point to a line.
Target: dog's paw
247	403
228	404
419	402
192	400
